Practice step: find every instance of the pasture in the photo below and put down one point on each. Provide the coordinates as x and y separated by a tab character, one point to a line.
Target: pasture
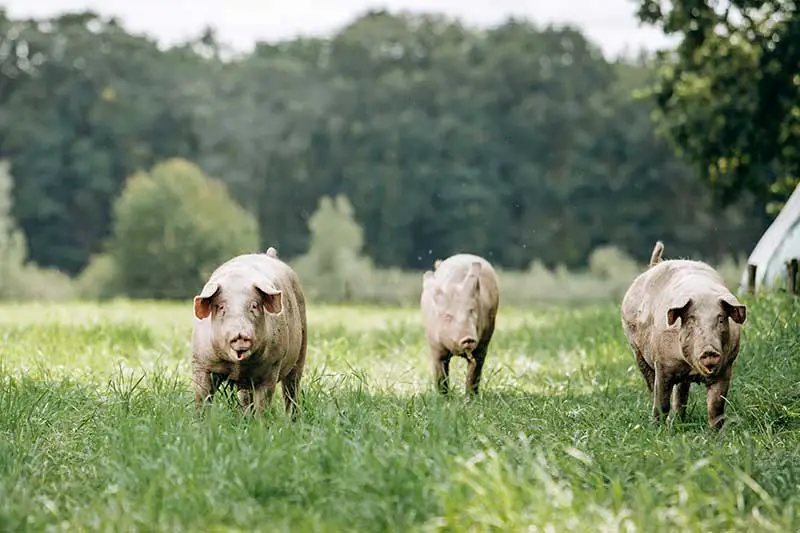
98	431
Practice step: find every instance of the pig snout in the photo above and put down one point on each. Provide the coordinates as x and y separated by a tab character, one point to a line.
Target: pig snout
241	345
710	359
468	343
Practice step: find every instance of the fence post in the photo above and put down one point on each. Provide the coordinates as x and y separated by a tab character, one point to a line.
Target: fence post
751	278
791	277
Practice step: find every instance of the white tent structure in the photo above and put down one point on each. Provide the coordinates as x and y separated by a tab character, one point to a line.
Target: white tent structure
779	244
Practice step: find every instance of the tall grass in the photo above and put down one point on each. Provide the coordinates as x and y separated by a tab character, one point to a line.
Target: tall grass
98	432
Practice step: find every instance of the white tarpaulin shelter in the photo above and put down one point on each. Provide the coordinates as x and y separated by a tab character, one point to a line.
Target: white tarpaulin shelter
780	243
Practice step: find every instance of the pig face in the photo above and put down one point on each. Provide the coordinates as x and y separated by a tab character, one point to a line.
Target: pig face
456	310
238	307
705	329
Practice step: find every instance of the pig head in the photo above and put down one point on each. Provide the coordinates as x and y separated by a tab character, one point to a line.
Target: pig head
455	308
708	331
237	306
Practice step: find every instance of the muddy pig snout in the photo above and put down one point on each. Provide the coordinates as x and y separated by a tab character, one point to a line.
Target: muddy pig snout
241	345
468	343
710	359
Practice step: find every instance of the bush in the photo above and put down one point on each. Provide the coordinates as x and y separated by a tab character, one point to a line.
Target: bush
609	262
44	284
172	228
99	280
333	269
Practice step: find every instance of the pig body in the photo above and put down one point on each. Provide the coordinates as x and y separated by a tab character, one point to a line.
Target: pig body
250	329
683	326
459	304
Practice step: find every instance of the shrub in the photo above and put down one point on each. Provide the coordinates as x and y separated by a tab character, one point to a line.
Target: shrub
333	269
172	228
99	280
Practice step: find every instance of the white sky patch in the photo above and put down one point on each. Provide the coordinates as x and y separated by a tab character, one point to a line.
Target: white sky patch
611	24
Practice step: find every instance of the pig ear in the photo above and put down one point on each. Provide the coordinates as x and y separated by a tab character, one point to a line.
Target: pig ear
273	298
674	313
202	302
735	311
272	252
473	274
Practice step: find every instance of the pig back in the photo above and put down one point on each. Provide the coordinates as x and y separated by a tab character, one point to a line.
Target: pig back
672	281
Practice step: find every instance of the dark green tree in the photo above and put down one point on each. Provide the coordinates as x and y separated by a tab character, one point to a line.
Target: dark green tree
728	95
87	105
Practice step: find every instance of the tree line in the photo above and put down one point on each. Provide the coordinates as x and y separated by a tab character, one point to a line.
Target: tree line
519	142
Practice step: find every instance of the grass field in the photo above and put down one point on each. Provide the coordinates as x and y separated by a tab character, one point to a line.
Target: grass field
98	431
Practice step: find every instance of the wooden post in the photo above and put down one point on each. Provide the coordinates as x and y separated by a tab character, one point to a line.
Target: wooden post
791	277
751	278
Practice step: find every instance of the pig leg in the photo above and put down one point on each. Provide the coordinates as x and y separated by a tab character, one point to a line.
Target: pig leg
262	397
204	386
661	393
680	397
289	386
645	369
291	383
441	369
715	401
474	368
475	365
245	397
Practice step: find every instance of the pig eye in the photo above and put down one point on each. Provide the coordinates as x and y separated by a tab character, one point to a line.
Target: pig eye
254	307
721	319
219	308
448	317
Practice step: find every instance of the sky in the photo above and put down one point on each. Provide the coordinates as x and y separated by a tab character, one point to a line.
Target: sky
611	24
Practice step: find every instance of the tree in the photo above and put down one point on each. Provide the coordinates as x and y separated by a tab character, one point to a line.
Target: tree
517	142
12	242
86	104
20	279
172	227
728	95
333	265
258	129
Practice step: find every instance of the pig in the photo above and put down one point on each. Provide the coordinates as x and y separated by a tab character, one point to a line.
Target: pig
459	304
683	326
250	330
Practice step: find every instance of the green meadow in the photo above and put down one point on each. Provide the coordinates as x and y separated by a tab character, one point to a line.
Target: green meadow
98	431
